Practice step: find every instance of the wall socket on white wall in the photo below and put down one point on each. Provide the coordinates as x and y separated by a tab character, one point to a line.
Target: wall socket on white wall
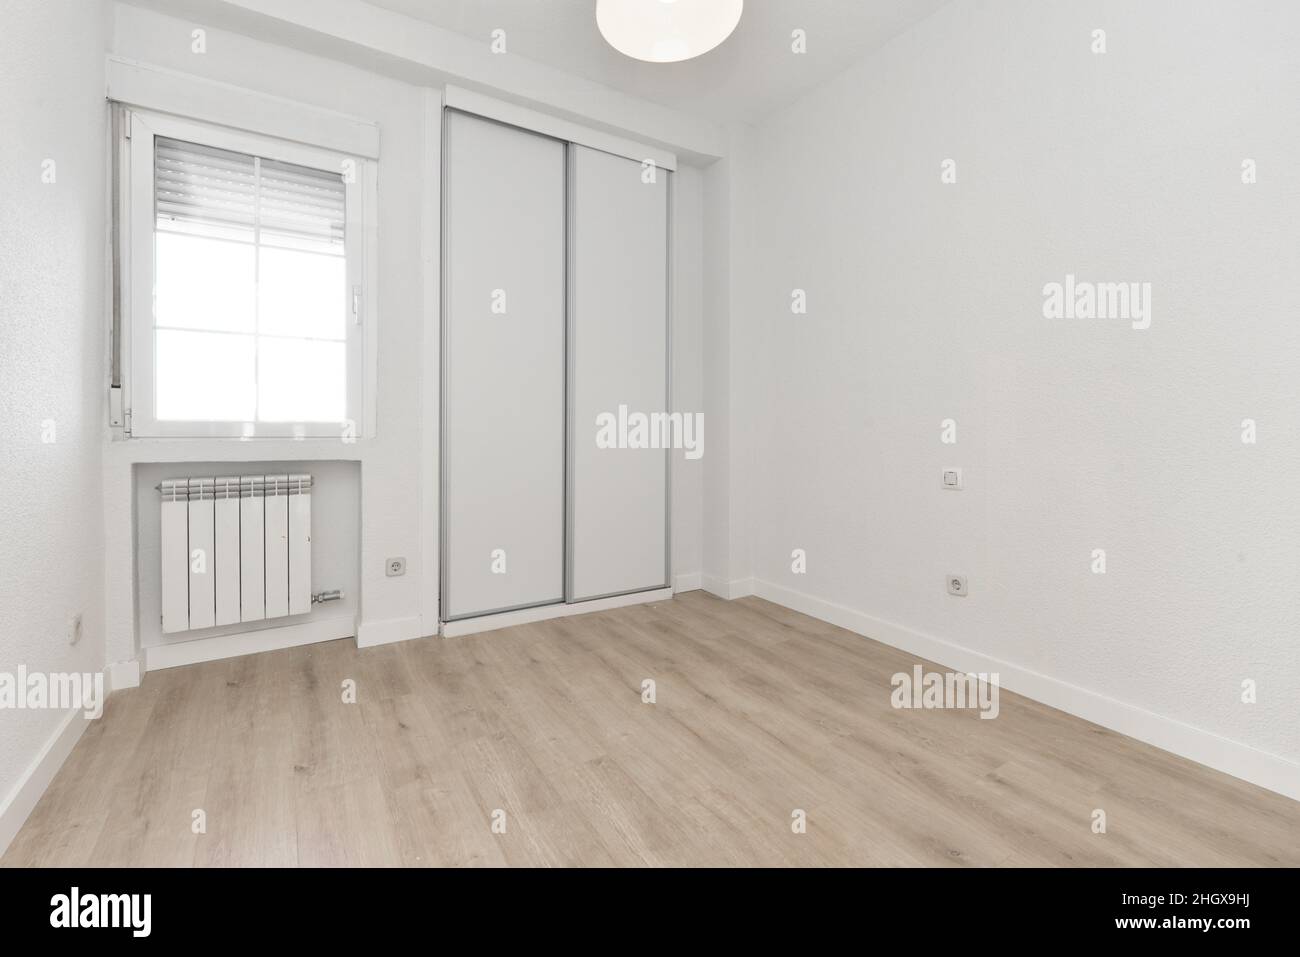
951	479
957	585
395	567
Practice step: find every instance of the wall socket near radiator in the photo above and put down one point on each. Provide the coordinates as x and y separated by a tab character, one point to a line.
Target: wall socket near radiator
957	585
395	567
74	629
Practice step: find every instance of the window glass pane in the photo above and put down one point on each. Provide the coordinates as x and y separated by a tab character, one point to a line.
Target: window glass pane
203	284
205	376
251	304
302	380
302	294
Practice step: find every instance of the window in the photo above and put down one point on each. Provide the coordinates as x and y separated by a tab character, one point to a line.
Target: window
254	253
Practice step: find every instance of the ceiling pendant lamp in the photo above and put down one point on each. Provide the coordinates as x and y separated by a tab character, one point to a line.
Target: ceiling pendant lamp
666	31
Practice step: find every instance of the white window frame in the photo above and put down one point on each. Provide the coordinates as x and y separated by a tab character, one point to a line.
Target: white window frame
138	228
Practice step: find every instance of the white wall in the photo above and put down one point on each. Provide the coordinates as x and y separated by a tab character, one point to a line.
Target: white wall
52	375
687	497
925	303
729	367
716	342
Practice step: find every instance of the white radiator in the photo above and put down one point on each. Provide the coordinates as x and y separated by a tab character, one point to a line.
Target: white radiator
234	549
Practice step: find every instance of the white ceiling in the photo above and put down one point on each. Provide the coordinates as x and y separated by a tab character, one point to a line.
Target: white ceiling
751	74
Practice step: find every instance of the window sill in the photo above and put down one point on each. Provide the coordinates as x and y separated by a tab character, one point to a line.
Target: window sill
133	450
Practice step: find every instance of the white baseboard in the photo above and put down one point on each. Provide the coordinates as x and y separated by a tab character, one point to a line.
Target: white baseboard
525	616
736	588
123	675
20	801
157	657
1231	757
688	581
389	630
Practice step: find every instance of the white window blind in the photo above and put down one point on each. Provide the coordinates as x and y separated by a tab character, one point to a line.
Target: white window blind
204	190
250	288
209	191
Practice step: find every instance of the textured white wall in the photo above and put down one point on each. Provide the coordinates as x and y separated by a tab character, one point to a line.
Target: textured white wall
925	303
52	282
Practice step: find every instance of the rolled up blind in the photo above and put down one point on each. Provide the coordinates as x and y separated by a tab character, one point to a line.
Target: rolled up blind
298	203
215	192
199	188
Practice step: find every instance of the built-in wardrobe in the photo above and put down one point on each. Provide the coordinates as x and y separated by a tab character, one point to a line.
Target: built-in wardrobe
554	319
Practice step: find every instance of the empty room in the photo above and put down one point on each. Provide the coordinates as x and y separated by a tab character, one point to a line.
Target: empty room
651	434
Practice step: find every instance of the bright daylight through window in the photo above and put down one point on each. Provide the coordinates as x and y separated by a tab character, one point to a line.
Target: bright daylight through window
250	286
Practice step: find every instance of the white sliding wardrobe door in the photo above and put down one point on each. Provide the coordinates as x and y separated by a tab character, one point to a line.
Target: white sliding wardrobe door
503	368
618	366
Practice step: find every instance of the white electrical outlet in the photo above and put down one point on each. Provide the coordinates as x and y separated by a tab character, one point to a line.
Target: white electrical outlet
395	567
952	479
957	585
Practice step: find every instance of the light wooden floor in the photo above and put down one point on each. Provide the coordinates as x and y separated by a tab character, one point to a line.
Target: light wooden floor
759	711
